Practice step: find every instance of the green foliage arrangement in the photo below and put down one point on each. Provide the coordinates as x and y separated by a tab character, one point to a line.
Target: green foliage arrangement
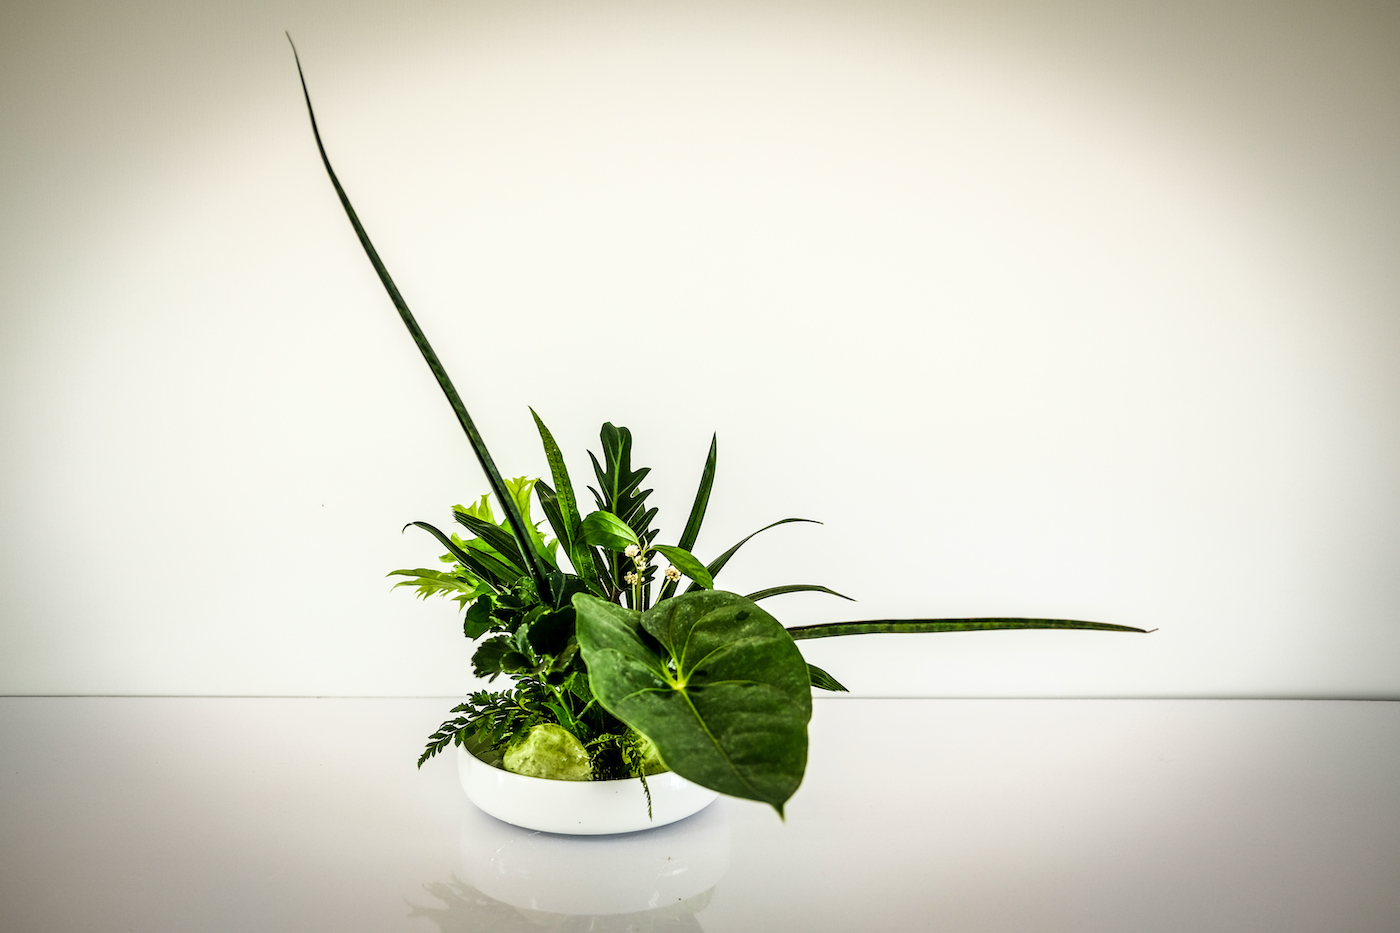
614	672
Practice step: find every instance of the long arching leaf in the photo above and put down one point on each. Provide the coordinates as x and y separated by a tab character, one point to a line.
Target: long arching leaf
899	626
536	566
794	588
479	563
718	563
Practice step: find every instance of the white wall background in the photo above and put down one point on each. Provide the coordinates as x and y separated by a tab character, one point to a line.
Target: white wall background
1063	309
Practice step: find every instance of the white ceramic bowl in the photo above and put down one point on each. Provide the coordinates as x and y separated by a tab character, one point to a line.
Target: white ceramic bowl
579	808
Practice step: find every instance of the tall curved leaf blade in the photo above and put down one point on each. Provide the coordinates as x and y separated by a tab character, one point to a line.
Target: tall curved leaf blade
718	563
901	626
535	564
794	588
732	715
697	513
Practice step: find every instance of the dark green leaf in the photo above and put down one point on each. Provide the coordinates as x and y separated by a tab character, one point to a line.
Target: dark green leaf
564	489
535	564
718	563
697	513
732	715
901	626
478	619
824	681
496	536
794	588
685	562
478	562
498	655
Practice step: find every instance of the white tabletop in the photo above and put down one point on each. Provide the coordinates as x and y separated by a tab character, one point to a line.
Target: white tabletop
158	814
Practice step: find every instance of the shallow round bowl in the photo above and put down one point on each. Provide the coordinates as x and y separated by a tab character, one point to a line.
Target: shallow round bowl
580	808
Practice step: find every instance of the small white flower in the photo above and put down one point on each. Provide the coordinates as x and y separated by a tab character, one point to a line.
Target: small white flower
631	550
630	579
673	574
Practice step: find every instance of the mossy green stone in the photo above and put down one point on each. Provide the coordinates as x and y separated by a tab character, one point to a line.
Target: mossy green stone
549	751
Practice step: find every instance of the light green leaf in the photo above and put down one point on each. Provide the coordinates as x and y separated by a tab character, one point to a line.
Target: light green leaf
686	563
726	704
606	530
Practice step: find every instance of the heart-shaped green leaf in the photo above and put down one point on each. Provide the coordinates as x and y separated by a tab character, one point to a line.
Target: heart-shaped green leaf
725	700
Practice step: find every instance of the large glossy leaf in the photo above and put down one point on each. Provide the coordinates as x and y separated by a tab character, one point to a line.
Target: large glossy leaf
725	695
902	626
535	564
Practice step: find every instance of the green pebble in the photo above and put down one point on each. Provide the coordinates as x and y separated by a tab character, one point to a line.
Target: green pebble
549	751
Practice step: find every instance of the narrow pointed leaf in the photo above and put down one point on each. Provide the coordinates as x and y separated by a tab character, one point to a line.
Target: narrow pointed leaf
824	681
901	626
685	562
535	564
726	702
479	563
494	535
697	512
794	588
563	488
718	563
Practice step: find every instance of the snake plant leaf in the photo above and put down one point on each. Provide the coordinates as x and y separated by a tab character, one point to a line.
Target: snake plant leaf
480	563
685	562
606	530
899	626
534	564
716	565
697	513
824	681
725	696
794	588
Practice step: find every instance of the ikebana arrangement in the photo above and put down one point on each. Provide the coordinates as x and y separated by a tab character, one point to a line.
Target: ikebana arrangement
614	671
